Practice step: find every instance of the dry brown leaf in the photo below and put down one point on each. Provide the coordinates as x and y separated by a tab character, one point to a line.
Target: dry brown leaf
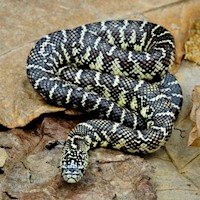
194	136
192	46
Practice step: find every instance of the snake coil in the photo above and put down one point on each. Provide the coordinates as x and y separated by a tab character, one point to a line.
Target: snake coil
117	70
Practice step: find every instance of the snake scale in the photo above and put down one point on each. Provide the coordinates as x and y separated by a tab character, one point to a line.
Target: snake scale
118	70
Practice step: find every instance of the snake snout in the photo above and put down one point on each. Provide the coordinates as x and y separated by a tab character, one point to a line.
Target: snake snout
72	172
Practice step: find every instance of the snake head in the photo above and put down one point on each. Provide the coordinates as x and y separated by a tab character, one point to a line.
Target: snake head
73	165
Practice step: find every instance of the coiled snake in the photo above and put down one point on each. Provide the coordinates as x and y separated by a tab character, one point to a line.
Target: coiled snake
117	70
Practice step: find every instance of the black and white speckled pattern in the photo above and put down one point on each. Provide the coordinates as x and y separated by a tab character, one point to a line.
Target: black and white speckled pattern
118	69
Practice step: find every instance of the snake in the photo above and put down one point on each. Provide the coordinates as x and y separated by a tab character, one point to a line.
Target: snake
118	72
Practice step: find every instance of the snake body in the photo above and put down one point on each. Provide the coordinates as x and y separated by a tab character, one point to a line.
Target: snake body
119	71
